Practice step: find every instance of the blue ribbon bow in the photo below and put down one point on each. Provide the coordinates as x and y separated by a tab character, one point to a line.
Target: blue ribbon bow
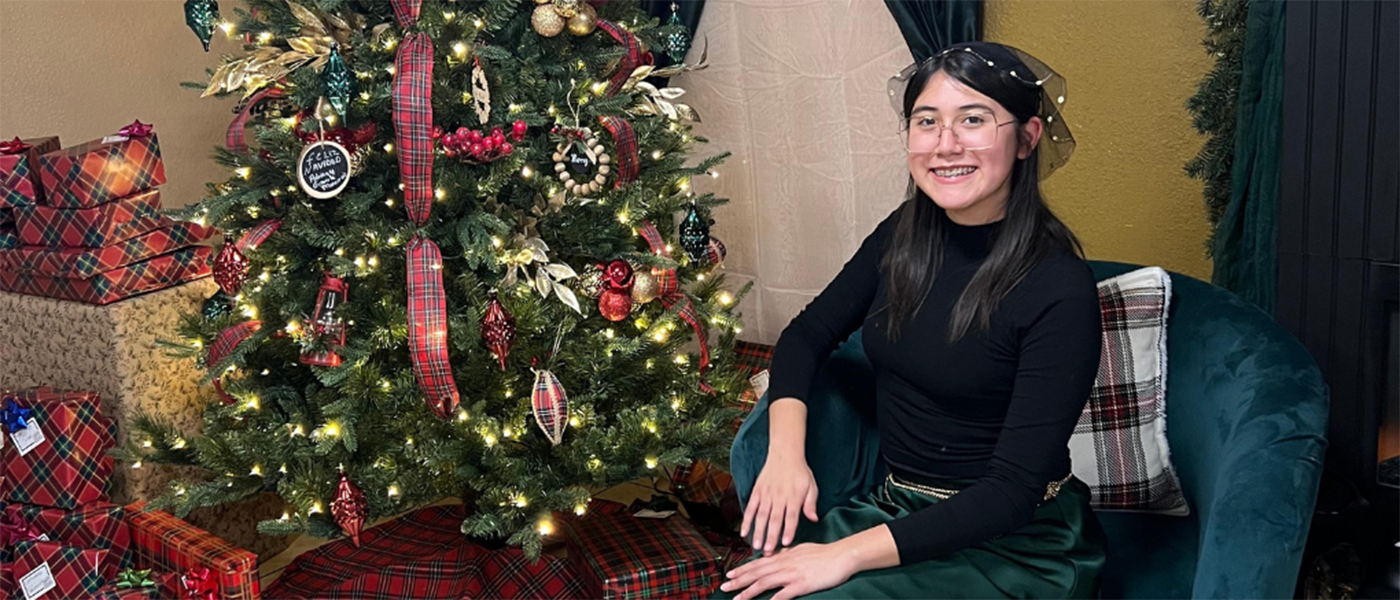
14	416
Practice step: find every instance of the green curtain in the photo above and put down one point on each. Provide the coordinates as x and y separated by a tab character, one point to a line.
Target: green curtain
1245	242
932	25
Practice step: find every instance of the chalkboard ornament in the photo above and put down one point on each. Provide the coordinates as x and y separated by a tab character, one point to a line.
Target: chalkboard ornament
581	162
323	170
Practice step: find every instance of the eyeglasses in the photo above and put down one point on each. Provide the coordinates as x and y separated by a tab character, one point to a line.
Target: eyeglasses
973	130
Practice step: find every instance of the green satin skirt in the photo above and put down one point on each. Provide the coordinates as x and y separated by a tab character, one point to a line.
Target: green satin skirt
1059	554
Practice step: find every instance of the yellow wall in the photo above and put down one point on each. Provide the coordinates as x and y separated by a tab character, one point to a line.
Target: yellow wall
82	70
1130	67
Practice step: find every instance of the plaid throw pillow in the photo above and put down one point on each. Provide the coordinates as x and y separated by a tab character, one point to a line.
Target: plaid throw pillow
1119	447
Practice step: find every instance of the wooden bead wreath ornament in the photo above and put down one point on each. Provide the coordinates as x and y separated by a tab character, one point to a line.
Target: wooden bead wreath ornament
581	161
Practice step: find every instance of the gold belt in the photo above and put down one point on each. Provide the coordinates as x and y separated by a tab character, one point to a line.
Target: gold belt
1051	490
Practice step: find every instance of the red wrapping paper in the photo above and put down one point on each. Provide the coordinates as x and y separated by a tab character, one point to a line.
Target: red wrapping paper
9	238
105	288
96	227
70	467
82	263
19	174
76	571
163	542
622	557
167	587
99	526
96	173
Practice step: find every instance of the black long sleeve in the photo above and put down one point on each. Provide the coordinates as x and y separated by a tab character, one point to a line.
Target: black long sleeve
997	406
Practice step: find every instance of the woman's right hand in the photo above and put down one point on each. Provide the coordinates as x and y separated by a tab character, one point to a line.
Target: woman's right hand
784	490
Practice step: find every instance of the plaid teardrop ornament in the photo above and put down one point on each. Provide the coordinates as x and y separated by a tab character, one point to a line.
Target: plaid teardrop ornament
551	405
497	329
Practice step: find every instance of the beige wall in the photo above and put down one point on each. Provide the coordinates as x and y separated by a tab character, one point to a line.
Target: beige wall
82	70
798	94
1130	65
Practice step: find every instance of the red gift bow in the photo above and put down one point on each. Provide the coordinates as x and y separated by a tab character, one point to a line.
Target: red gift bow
14	146
198	584
672	296
14	530
136	129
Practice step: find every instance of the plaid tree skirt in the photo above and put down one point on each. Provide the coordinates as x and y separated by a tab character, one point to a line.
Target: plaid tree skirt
423	555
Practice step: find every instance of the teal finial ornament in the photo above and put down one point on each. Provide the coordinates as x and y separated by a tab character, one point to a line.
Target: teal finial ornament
201	16
677	43
695	235
339	84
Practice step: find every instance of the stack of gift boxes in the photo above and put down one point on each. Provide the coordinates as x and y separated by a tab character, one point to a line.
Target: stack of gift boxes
61	537
84	223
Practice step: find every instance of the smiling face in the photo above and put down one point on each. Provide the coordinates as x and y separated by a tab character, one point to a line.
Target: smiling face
972	185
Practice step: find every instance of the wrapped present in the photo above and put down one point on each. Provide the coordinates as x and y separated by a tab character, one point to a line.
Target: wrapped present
58	456
54	571
424	555
94	227
19	171
99	525
101	171
752	357
146	276
145	584
9	237
624	557
733	550
163	542
709	495
82	263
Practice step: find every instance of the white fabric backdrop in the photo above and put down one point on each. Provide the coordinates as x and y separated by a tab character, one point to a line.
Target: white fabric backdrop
796	90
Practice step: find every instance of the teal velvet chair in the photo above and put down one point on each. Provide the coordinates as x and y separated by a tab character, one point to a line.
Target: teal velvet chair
1246	421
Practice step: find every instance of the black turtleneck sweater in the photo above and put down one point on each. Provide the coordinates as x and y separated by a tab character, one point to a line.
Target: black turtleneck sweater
997	406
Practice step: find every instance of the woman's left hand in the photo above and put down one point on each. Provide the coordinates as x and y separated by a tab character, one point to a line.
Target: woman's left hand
798	570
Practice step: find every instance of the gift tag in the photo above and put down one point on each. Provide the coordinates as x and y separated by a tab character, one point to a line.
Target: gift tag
35	583
647	513
112	139
28	438
760	383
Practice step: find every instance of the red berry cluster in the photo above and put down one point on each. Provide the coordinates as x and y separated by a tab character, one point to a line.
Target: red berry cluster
477	146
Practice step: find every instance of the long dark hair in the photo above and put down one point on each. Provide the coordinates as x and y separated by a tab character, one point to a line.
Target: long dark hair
914	255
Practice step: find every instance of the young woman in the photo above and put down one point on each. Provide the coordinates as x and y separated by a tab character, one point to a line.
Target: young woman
981	320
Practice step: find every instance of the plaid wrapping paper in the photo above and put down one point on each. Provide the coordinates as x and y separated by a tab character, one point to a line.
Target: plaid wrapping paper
1119	446
70	467
753	357
9	237
167	587
733	549
77	571
624	557
83	263
146	276
163	542
99	526
90	227
423	555
19	173
626	142
427	327
96	173
7	217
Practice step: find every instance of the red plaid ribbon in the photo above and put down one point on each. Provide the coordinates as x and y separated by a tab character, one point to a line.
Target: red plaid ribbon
406	11
427	326
626	142
229	339
671	296
257	235
234	138
413	122
630	61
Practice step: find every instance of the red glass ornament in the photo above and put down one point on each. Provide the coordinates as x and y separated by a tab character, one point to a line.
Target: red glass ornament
551	405
348	508
230	269
517	130
497	329
327	323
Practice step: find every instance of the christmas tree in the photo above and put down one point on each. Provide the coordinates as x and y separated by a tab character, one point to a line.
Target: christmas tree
1212	107
464	258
